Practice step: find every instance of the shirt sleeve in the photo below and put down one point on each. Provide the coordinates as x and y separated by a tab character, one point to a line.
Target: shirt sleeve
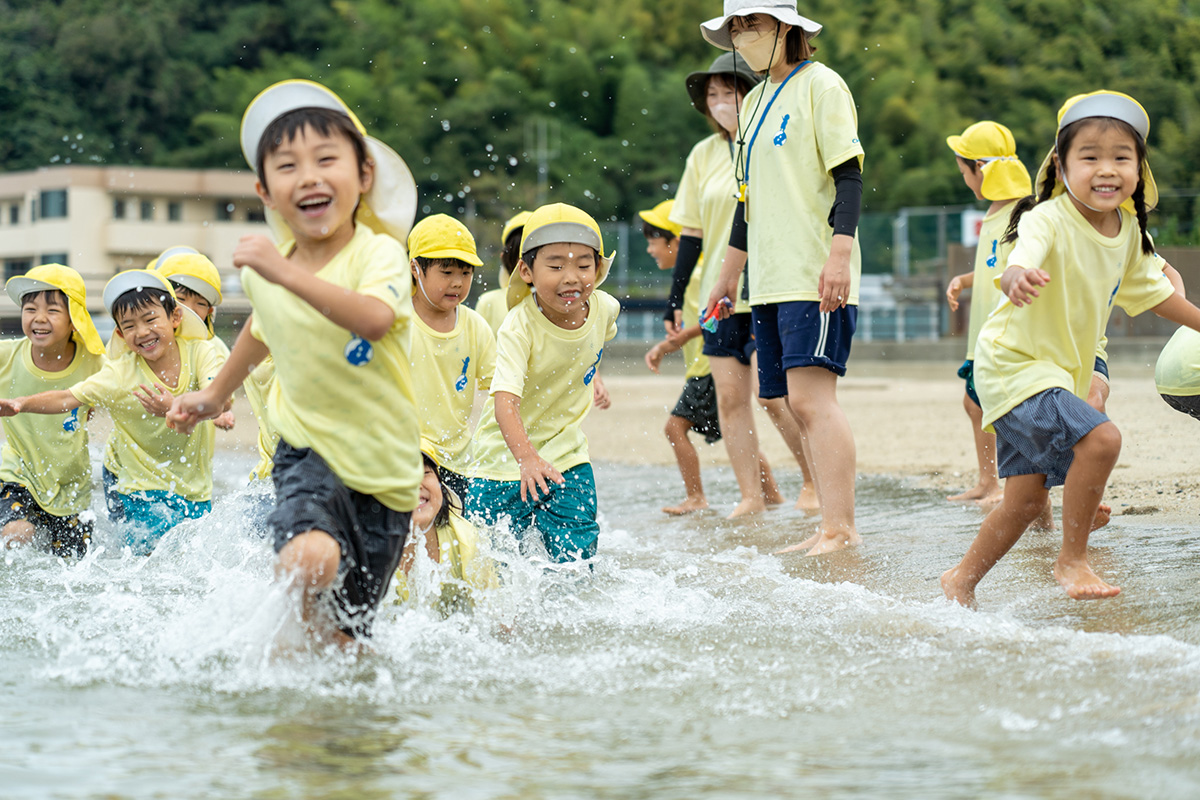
513	346
613	307
104	387
386	277
1035	238
486	347
836	126
686	210
209	360
1144	285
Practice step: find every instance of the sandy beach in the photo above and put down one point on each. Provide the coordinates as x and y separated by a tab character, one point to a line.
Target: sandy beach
908	421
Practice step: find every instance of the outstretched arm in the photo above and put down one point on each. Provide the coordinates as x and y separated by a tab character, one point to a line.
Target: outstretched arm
56	402
1021	285
1179	310
360	314
536	472
190	409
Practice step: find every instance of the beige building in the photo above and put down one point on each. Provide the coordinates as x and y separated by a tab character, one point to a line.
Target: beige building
101	220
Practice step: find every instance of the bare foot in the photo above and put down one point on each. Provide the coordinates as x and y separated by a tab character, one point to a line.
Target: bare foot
689	505
747	507
976	493
831	541
1103	515
805	545
808	501
772	495
957	589
992	500
1081	583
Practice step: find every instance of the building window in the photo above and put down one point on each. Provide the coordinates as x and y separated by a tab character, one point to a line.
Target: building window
148	210
225	210
55	258
14	214
16	266
33	209
175	211
54	204
118	208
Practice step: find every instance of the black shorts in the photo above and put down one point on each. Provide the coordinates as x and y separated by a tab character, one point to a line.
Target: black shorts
65	536
309	496
698	405
1187	404
733	338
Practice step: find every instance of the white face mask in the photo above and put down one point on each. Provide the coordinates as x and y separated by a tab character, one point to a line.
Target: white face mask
726	116
757	48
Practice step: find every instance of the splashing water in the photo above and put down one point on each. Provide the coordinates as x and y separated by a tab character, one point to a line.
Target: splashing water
690	662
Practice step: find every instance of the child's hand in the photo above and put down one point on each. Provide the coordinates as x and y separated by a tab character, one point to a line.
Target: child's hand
260	254
538	473
600	397
953	291
225	421
1021	285
654	357
10	408
158	402
677	339
190	409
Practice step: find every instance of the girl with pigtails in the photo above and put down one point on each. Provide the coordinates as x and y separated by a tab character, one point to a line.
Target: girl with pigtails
1081	247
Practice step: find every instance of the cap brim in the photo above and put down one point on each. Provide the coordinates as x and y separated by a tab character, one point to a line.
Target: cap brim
561	232
517	289
128	281
716	30
1108	105
277	100
198	286
450	252
19	286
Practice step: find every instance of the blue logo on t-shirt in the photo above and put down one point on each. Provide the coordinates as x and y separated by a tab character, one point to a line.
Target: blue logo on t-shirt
461	383
991	262
359	351
71	423
591	373
781	137
1113	296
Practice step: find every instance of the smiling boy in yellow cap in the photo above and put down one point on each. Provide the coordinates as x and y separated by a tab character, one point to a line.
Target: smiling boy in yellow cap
531	455
453	349
154	478
332	304
47	478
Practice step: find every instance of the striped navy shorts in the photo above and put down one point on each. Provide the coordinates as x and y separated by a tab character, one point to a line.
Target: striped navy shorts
799	334
1037	437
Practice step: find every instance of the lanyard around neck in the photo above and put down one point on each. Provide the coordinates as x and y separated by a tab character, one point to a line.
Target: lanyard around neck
766	111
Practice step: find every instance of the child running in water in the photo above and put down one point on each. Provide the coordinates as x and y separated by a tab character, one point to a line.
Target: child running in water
44	466
986	153
333	303
531	462
696	409
1077	254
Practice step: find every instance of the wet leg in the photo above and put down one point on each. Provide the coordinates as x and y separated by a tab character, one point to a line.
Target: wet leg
987	490
733	381
309	565
1095	456
676	431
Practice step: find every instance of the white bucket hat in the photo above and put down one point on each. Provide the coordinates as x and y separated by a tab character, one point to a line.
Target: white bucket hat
390	205
716	30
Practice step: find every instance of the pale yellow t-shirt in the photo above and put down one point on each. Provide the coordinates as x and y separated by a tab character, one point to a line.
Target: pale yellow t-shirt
811	128
492	306
1051	343
551	369
142	451
349	399
47	453
991	257
258	387
1177	372
707	199
448	368
460	561
693	351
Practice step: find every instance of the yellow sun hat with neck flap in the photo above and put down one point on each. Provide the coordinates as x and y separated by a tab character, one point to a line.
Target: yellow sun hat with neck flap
51	277
1004	176
148	280
516	223
1113	105
660	217
558	223
389	206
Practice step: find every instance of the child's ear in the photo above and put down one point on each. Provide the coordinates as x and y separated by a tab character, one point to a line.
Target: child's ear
118	332
263	194
177	317
367	176
525	271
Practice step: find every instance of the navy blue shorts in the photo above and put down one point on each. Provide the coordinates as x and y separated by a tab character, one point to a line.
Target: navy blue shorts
1101	367
799	334
733	338
1038	436
967	373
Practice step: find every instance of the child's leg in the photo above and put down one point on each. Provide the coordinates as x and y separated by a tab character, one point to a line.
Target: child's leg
987	489
1024	498
17	533
676	430
812	394
733	382
1095	456
308	564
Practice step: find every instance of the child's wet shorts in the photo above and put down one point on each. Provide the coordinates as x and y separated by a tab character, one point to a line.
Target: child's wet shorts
698	405
565	519
733	338
967	373
799	334
310	496
1037	437
454	482
1187	404
146	516
65	536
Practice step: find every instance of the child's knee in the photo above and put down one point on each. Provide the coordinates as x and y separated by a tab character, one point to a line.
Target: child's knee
676	428
972	408
17	532
1103	442
312	556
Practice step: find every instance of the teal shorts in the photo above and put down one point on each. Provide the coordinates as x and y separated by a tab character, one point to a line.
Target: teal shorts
145	517
564	522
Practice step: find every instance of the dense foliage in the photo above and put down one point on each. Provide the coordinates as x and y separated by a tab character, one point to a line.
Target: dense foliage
461	88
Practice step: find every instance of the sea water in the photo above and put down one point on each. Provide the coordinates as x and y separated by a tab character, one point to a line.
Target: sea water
690	663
